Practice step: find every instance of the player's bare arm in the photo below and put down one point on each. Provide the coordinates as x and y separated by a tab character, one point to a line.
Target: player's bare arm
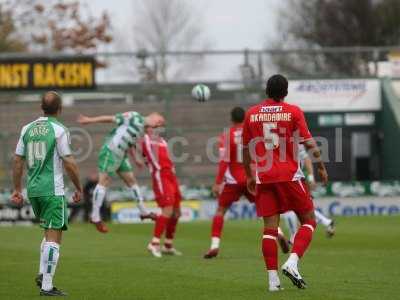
251	181
218	185
72	170
136	155
222	167
18	169
310	172
315	152
84	120
216	188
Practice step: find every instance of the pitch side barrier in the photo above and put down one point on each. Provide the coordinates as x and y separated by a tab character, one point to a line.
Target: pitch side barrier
376	198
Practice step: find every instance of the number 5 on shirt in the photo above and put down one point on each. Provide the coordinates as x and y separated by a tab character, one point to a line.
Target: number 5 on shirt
271	139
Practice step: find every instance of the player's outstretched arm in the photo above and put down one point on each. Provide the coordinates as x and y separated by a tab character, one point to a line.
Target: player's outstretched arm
18	170
315	152
72	170
82	119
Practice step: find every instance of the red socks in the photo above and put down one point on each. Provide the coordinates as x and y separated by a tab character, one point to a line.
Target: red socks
217	225
171	228
303	237
159	228
270	248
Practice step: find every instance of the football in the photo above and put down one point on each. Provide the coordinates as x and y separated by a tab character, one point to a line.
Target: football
201	92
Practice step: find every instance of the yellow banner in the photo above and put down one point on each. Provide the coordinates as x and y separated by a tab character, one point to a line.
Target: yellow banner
68	73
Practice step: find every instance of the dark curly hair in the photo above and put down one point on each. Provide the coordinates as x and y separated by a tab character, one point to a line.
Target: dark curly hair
277	87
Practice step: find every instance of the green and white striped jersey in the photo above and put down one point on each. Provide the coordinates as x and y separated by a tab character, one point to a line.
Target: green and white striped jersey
43	143
130	127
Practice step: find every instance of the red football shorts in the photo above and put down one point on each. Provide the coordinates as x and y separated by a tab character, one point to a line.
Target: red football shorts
279	197
166	188
232	192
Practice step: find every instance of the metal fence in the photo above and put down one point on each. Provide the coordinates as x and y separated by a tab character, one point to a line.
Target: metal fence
147	81
240	65
246	65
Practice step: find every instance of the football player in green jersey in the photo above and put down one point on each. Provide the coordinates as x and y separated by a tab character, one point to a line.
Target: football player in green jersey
113	157
44	145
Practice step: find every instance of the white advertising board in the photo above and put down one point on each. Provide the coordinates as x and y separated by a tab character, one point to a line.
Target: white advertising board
335	95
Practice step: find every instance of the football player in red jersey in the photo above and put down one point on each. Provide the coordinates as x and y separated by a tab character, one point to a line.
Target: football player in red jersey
272	131
166	191
230	182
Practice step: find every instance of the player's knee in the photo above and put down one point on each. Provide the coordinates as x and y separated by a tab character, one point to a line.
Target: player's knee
53	235
220	211
311	222
131	181
104	180
167	211
271	222
177	213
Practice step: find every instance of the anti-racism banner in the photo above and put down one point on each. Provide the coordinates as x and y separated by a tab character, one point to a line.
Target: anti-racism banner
336	95
47	73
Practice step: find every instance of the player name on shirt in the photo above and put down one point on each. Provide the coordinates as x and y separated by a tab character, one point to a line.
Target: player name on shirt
39	130
271	117
273	132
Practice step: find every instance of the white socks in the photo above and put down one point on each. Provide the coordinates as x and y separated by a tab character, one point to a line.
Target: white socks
99	194
322	219
215	242
51	252
136	195
273	278
293	259
41	263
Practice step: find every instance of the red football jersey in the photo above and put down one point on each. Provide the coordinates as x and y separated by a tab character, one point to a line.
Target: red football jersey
273	130
230	168
155	151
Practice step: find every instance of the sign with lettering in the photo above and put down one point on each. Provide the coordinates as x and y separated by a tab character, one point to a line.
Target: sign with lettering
47	73
341	95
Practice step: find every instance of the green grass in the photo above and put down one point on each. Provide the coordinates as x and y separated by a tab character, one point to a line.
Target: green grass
361	262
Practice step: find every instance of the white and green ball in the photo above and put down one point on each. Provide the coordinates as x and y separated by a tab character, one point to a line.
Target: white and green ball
201	92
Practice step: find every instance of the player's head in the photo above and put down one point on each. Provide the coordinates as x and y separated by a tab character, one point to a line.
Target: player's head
51	103
154	120
237	115
277	87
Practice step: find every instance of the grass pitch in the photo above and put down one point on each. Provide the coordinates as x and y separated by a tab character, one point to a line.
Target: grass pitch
361	262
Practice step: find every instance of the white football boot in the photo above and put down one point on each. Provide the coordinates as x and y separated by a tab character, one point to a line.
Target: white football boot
154	250
170	251
291	271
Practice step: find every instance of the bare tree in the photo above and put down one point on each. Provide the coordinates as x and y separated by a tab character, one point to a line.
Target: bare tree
56	25
168	25
315	24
